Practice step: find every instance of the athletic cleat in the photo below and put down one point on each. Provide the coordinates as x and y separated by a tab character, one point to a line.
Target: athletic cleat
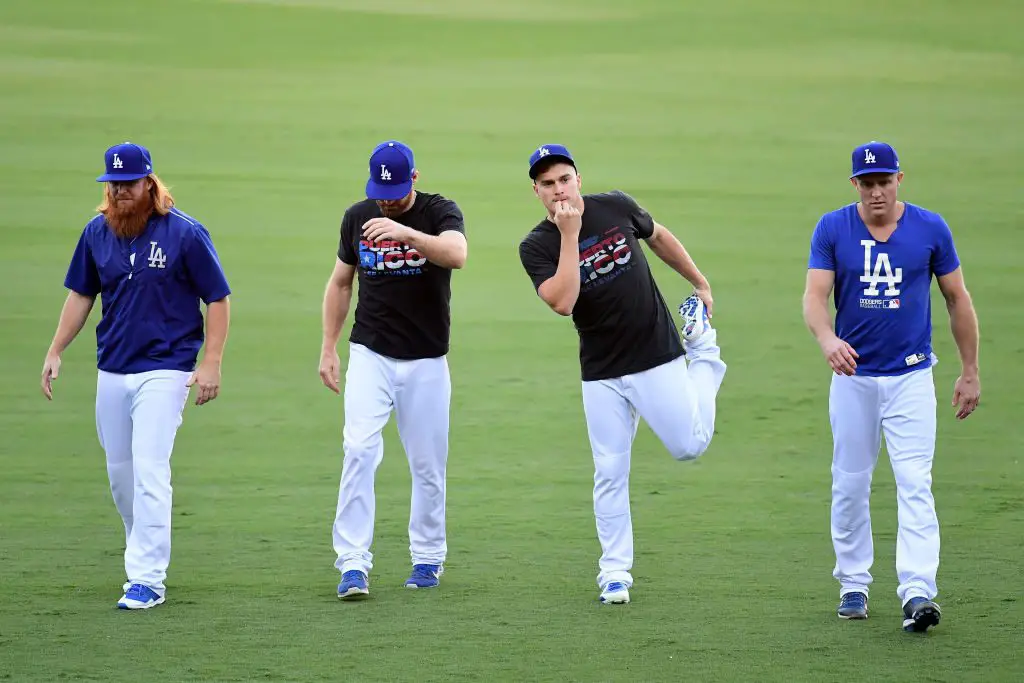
424	576
695	318
354	585
615	593
139	596
920	615
853	606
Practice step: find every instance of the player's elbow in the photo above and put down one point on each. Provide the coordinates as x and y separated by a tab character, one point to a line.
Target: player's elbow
457	260
559	305
958	298
561	308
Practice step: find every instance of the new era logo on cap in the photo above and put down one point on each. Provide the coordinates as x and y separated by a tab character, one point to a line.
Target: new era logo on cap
391	168
874	157
546	154
125	162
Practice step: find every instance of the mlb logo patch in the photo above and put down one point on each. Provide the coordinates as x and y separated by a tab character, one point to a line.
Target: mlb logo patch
894	303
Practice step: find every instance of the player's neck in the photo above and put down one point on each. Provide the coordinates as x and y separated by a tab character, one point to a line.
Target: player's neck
886	221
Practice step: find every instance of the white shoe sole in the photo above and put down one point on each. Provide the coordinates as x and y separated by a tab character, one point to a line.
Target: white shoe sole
135	604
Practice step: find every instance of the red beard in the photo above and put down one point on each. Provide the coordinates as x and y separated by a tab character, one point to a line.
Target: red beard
128	219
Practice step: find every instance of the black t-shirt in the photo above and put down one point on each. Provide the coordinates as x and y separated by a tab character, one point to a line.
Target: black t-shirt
403	310
623	322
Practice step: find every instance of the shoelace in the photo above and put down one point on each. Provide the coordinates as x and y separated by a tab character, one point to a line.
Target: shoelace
421	572
352	575
853	600
137	592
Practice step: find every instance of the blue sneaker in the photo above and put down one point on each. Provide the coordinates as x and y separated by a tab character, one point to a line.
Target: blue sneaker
139	596
615	593
920	615
853	606
695	318
354	585
424	576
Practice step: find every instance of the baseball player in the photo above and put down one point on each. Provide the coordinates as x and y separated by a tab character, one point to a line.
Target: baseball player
879	255
585	260
151	264
404	245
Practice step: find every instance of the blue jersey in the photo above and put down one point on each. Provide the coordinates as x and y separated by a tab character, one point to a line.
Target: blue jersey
150	287
882	289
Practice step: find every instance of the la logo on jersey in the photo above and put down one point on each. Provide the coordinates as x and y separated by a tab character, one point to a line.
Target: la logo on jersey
881	272
157	259
117	163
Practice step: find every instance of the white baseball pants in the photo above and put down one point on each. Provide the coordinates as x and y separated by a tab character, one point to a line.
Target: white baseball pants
137	418
861	410
419	392
678	403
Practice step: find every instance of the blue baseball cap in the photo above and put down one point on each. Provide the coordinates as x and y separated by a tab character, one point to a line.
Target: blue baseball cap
391	167
874	157
547	153
126	161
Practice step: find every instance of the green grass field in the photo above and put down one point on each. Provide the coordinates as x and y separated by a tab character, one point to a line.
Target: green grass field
730	121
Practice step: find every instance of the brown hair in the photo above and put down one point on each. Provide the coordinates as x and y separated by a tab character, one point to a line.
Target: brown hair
159	193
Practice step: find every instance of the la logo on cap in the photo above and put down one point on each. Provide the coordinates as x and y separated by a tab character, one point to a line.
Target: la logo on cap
544	151
869	158
117	163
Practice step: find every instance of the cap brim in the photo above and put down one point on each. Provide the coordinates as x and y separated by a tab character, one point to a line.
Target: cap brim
869	171
120	177
387	193
548	160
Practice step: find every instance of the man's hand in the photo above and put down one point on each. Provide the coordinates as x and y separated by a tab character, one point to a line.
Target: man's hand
568	218
966	395
207	378
840	356
704	293
377	229
330	369
51	368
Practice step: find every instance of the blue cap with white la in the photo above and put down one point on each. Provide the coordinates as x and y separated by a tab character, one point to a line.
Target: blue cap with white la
546	154
391	169
874	157
125	162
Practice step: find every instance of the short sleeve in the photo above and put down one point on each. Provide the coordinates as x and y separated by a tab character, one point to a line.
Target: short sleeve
346	248
643	224
539	265
203	266
944	257
83	276
823	252
450	218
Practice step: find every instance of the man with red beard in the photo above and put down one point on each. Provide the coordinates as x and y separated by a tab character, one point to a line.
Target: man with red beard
404	244
151	264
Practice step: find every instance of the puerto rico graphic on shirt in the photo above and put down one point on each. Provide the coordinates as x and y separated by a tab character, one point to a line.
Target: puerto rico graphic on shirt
389	258
604	258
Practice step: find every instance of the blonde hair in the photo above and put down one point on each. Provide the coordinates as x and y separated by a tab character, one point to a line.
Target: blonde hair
160	193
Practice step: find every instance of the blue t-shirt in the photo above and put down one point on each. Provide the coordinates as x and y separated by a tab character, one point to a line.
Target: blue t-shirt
150	287
882	289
